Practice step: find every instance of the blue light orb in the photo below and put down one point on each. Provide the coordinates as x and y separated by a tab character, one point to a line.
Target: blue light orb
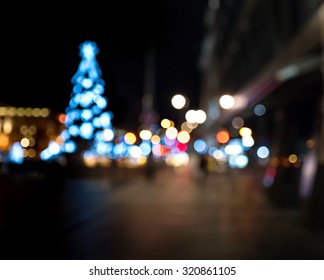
200	146
86	131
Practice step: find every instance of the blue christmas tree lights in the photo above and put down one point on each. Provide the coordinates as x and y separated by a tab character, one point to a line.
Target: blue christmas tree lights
88	127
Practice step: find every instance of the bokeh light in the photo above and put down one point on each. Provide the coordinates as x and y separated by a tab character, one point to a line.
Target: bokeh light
200	146
259	110
263	152
165	123
178	101
222	136
237	122
183	137
130	138
171	132
227	101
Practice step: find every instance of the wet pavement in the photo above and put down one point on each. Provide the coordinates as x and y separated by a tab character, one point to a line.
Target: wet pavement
176	214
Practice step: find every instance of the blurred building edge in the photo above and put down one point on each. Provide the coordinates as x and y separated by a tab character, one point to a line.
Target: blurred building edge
271	52
33	128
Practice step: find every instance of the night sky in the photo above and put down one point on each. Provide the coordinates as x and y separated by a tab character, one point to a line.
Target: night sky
41	53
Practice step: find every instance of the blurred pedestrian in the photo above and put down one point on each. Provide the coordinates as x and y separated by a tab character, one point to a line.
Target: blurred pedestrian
203	167
149	168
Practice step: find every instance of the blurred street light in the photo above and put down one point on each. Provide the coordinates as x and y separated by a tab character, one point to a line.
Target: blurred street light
227	101
178	101
196	116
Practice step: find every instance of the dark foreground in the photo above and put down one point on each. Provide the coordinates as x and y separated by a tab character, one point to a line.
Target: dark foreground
173	214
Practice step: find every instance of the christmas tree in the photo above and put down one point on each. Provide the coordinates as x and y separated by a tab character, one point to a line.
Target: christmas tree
89	131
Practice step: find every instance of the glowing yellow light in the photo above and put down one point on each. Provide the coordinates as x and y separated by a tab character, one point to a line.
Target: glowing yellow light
36	112
44	112
7	125
292	158
3	111
130	138
28	112
165	123
11	111
20	112
245	132
183	136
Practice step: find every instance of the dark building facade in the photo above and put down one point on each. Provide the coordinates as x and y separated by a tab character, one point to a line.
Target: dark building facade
271	53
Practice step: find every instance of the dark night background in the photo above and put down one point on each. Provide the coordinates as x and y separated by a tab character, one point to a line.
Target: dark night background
42	53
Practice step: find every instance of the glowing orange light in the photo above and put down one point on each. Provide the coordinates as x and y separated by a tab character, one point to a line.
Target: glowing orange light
222	136
4	141
61	118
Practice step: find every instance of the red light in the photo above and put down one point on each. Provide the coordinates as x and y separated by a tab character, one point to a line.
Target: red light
182	147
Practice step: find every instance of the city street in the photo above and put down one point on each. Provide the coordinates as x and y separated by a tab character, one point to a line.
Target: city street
175	214
163	130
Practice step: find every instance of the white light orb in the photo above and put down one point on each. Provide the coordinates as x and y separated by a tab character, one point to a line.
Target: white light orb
200	116
191	116
178	101
227	101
